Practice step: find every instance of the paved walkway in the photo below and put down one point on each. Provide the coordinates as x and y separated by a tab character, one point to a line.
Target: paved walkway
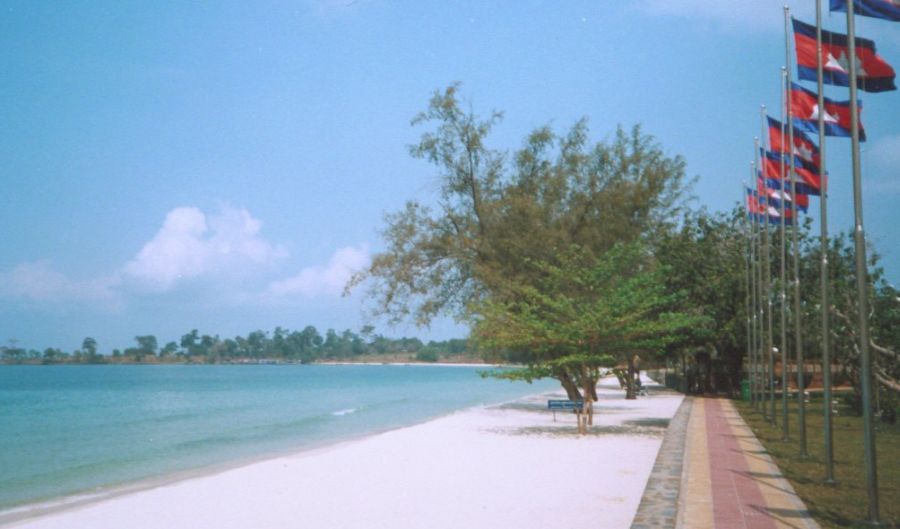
727	480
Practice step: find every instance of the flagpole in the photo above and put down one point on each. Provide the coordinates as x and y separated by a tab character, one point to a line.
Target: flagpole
752	314
767	280
785	423
754	369
763	288
760	293
747	303
861	281
757	292
823	223
798	333
760	311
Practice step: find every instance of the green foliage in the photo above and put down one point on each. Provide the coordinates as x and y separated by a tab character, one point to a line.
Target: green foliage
584	313
618	304
882	300
705	259
305	346
13	354
89	346
427	356
496	250
497	213
89	353
168	350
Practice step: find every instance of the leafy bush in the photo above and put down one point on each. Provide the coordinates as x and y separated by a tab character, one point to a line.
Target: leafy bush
427	356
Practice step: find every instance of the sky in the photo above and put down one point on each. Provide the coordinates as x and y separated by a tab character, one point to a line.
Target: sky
226	166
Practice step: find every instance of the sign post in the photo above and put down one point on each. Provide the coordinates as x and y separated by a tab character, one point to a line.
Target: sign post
559	404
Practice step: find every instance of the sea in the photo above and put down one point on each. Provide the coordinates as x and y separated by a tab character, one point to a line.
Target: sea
75	432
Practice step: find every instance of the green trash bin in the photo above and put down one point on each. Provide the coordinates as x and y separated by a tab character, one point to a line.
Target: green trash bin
745	390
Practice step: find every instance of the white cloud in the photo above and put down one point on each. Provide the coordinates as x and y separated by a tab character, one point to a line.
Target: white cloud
329	279
191	244
755	14
39	282
223	248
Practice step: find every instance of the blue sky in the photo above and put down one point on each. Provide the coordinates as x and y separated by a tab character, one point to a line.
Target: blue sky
225	166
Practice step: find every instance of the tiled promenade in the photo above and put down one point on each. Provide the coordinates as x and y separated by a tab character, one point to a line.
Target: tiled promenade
727	481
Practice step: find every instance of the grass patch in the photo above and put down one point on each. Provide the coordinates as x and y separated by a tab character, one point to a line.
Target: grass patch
845	504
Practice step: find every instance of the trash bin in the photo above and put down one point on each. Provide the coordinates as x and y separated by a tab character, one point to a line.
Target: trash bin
745	390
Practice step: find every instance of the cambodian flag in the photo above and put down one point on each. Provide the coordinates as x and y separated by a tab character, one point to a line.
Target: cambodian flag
873	74
758	209
808	180
805	113
780	198
886	9
804	148
755	207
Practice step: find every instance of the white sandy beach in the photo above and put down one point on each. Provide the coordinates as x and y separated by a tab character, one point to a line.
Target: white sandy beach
505	466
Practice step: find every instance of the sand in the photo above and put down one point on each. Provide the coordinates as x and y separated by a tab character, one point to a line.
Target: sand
501	466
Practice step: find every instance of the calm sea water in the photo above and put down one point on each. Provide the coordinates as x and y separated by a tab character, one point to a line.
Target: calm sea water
84	429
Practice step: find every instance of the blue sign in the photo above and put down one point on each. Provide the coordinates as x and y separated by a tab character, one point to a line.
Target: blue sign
564	404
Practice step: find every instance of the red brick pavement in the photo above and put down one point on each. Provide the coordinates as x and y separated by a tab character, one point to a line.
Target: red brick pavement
738	502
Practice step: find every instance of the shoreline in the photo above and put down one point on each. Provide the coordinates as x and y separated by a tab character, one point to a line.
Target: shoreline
9	517
246	364
27	511
413	364
375	453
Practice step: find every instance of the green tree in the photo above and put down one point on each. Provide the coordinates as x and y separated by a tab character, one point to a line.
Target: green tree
208	347
53	355
705	258
495	213
89	351
308	341
147	346
168	350
190	343
89	346
256	343
585	313
13	354
884	316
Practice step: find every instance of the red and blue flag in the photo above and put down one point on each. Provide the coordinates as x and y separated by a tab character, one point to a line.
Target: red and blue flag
780	198
804	148
873	74
886	9
755	206
808	180
805	113
759	210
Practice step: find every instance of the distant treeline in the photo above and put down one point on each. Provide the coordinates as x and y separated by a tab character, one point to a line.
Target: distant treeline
304	346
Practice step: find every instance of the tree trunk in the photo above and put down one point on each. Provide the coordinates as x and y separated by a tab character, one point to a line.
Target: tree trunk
587	403
629	380
594	378
569	385
592	390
